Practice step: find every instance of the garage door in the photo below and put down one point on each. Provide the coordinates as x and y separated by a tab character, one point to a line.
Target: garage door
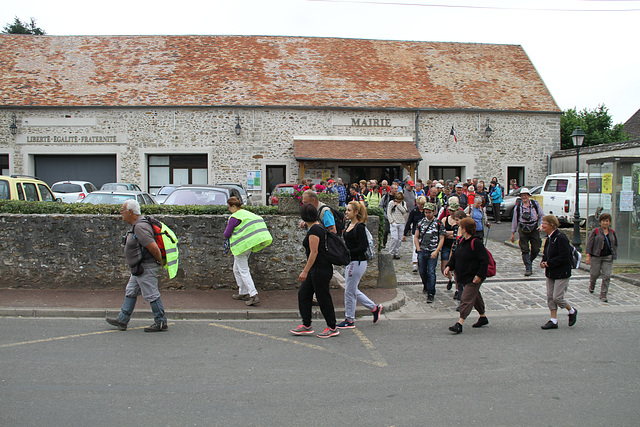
96	169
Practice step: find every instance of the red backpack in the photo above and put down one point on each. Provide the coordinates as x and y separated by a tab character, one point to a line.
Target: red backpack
491	269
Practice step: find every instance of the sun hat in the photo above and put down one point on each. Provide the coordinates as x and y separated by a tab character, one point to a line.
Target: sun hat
525	190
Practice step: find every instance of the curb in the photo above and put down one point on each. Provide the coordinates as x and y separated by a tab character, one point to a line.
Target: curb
256	314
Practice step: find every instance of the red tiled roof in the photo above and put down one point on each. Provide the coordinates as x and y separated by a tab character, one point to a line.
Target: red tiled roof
266	71
359	151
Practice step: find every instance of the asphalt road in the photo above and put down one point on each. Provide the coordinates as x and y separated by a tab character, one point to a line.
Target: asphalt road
79	372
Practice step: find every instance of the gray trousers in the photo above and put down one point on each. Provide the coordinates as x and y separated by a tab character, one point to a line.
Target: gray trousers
601	266
555	293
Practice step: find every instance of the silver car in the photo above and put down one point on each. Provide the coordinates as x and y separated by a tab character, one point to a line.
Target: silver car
118	197
72	191
201	195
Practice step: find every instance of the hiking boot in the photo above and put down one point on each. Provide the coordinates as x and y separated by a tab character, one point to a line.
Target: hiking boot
242	297
253	300
376	313
118	324
345	324
457	328
157	327
328	332
481	322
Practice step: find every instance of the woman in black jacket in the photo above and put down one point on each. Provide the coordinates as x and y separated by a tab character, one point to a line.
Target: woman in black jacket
470	262
355	237
556	260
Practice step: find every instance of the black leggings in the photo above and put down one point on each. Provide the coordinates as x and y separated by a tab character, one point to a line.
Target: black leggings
317	282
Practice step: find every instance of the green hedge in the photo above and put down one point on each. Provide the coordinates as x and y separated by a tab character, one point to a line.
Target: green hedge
21	207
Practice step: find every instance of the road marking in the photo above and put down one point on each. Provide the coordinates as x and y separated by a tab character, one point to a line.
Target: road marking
15	344
378	360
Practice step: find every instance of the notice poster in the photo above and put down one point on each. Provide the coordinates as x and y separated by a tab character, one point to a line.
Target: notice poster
626	201
607	183
626	183
253	180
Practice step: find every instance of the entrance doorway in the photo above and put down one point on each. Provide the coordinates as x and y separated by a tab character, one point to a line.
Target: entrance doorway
517	173
276	174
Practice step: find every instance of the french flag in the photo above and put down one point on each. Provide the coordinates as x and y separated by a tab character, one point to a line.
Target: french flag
453	133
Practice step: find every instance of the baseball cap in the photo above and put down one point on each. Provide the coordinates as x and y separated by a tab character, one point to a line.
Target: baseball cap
459	185
438	185
331	181
411	183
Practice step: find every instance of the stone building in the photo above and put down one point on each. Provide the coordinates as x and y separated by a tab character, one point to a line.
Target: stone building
260	110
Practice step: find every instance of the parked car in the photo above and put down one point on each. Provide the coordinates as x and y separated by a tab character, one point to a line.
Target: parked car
280	189
118	197
164	191
510	200
24	187
72	191
247	198
117	186
201	195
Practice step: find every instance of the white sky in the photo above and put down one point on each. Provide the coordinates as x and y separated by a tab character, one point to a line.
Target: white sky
583	49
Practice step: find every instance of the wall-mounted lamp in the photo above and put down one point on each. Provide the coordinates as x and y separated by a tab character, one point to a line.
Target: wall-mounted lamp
238	127
13	127
488	131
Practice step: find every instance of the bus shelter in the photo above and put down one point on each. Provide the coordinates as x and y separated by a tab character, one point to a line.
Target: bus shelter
618	193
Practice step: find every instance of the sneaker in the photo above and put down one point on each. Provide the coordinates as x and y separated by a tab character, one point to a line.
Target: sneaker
481	322
528	273
118	324
604	299
376	313
415	268
573	317
549	325
253	300
396	257
242	297
429	299
591	289
328	332
457	328
450	285
345	324
455	296
157	327
302	330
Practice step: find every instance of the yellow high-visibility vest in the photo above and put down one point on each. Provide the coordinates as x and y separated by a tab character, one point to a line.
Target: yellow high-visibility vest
251	233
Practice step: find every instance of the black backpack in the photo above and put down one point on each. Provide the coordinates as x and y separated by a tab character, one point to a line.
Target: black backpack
337	216
334	249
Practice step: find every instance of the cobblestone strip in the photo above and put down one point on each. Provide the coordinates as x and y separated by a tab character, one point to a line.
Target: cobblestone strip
509	290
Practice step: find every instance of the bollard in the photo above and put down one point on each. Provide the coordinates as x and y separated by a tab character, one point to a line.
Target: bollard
386	271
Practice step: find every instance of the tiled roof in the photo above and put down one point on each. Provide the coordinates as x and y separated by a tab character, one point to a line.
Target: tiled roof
359	151
632	126
266	71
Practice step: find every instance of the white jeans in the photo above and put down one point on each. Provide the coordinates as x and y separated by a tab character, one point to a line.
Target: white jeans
396	231
243	274
353	273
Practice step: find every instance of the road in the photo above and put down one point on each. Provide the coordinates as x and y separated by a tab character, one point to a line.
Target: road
79	372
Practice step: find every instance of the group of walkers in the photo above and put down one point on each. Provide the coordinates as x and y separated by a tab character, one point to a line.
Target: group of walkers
442	224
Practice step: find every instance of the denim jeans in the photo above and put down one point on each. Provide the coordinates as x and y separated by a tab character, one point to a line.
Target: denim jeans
427	269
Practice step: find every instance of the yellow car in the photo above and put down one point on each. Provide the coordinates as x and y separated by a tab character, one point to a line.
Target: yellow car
23	187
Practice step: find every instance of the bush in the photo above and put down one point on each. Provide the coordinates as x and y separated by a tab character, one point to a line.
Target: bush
26	208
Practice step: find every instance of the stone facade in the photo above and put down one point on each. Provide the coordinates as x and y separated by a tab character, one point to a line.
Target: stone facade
84	252
523	139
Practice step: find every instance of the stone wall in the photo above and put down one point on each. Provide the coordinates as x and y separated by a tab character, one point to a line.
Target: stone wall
85	252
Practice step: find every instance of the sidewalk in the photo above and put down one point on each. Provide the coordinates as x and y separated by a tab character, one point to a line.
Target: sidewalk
508	291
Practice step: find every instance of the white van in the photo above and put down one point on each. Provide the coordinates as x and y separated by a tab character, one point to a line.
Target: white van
559	196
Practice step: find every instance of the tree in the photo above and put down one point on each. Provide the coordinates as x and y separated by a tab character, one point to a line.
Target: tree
596	124
18	27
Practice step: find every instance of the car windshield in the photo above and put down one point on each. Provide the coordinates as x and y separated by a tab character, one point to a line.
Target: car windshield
284	190
193	196
108	199
114	187
66	188
165	191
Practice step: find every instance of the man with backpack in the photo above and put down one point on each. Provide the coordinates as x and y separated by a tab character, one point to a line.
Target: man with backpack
144	258
527	216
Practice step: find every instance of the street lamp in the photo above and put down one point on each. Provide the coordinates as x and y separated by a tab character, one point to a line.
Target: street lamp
578	138
488	131
238	128
13	128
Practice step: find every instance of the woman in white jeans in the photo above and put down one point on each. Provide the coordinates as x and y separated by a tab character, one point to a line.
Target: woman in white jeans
396	212
356	240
